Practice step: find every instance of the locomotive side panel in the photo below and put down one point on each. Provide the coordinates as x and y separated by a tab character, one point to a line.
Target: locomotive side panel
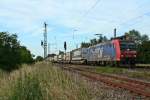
102	52
108	52
92	54
117	50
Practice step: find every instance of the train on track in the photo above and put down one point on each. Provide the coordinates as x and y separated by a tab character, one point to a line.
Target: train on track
114	52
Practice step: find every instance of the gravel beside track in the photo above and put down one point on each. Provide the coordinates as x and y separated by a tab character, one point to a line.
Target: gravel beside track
137	87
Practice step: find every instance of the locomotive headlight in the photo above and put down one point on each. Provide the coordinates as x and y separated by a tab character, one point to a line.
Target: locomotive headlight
122	56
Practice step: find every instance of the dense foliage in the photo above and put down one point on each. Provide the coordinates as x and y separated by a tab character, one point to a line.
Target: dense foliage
12	54
144	52
39	58
137	37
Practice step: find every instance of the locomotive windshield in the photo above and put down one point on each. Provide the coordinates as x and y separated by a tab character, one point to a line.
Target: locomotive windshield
126	45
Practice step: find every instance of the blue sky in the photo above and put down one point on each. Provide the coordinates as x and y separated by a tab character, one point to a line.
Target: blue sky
88	17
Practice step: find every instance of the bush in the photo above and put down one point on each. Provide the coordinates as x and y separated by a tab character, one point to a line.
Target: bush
12	54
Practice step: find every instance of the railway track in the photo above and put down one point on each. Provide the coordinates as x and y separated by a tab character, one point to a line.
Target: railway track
138	87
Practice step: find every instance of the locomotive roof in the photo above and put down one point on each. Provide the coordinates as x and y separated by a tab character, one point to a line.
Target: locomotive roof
109	41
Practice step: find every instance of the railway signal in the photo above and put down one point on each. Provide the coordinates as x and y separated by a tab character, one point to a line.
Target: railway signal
42	43
115	31
65	45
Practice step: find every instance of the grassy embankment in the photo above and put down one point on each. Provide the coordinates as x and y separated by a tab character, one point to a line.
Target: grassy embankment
131	73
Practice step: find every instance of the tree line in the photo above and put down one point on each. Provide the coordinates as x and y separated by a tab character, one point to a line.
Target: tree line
94	41
12	54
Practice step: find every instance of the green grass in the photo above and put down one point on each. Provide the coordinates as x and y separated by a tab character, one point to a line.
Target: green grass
109	70
140	74
143	65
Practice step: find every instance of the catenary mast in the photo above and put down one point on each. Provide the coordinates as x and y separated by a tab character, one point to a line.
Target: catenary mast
45	40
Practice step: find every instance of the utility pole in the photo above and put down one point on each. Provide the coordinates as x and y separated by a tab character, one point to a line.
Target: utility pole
65	48
45	40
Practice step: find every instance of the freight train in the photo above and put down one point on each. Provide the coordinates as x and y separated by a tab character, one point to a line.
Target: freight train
115	52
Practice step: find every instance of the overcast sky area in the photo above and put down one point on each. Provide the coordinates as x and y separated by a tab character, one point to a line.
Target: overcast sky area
87	17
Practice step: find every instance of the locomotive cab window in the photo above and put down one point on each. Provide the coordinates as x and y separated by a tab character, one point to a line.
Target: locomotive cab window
123	46
131	46
126	45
